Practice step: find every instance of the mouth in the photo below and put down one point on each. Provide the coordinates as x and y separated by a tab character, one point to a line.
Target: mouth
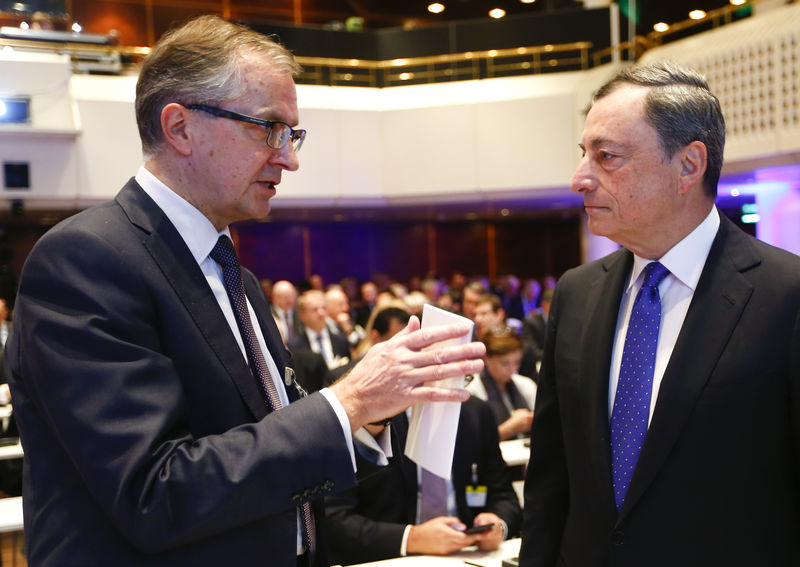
269	186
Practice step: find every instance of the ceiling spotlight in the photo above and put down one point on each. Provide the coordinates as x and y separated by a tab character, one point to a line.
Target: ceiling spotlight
661	26
497	13
436	8
76	27
527	1
738	2
697	14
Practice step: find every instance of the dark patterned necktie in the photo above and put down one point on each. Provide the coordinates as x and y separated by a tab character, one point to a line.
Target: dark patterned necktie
631	411
225	255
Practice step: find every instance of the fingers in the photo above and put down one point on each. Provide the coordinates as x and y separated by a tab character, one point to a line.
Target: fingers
470	351
426	337
441	371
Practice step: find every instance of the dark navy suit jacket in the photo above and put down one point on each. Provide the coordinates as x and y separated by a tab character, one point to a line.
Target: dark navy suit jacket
718	479
147	439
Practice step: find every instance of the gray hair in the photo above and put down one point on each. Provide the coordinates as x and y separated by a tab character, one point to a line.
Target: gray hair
681	108
198	63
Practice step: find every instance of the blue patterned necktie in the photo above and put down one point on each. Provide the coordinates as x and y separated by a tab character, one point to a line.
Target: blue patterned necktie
224	254
631	410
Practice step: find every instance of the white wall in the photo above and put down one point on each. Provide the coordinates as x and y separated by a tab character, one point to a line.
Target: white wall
460	141
465	141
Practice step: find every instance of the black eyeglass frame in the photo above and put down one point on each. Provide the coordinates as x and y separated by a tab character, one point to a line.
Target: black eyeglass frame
296	136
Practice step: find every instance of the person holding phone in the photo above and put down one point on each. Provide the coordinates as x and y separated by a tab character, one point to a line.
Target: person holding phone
390	513
385	515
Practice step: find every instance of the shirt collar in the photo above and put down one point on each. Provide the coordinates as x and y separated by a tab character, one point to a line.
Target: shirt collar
194	227
686	259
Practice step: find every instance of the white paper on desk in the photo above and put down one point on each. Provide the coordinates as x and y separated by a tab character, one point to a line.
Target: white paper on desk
432	429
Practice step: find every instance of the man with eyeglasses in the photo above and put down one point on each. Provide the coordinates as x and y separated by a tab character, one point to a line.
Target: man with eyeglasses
157	405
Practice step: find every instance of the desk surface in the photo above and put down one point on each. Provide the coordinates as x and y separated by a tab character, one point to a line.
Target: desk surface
515	452
11	514
507	550
11	451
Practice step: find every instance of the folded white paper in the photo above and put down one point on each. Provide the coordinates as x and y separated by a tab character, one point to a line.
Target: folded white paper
432	429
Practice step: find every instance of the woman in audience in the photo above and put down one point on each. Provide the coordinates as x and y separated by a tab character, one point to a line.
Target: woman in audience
510	395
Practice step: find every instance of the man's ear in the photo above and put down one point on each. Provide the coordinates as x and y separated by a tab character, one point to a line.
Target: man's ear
694	160
175	127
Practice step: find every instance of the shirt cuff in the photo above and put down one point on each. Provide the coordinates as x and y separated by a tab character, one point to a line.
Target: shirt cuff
344	421
404	543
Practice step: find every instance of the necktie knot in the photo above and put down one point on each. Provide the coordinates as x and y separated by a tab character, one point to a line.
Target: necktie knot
654	274
223	253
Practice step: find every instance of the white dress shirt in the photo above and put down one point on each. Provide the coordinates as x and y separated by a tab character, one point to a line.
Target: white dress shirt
685	262
321	344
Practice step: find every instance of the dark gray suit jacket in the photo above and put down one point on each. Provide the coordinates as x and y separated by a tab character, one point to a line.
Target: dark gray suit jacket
147	439
718	479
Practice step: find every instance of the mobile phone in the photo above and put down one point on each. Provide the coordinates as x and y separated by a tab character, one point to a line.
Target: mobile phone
479	529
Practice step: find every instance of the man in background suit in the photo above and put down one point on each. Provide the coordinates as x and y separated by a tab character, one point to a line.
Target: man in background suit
153	393
315	335
535	325
709	418
283	299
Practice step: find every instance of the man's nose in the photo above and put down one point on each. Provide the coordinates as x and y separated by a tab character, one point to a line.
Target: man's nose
583	180
286	158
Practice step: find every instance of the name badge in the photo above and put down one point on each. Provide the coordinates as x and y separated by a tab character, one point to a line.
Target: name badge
476	496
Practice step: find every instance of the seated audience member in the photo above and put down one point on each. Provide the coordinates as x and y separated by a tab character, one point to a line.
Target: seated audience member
316	282
384	516
316	336
431	287
283	302
5	329
512	299
511	396
469	298
387	516
415	301
339	320
535	326
529	296
447	301
386	320
489	316
369	293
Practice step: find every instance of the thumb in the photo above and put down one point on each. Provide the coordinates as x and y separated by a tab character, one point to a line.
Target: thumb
413	325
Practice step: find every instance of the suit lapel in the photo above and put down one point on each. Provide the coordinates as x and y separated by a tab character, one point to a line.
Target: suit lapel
721	295
180	270
597	342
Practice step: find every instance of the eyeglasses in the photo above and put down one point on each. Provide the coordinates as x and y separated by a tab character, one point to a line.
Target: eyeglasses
278	133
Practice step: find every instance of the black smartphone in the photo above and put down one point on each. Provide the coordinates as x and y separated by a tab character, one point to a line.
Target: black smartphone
479	529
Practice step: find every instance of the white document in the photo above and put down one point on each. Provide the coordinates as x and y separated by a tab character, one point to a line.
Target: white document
432	429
